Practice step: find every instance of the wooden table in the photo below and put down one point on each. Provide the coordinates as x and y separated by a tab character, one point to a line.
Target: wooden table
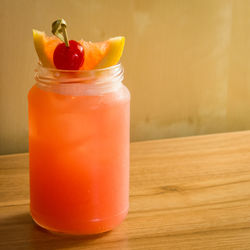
186	193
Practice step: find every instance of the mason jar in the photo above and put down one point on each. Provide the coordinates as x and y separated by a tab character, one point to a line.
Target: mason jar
79	149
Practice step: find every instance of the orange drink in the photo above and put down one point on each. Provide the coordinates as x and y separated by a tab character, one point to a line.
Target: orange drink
79	149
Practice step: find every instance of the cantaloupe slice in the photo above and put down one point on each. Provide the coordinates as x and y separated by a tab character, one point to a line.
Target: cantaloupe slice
97	55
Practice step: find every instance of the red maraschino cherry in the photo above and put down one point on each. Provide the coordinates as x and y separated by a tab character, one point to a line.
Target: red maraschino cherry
68	55
69	58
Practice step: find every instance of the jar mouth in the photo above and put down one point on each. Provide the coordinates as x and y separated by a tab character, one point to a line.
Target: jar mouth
95	76
79	82
77	71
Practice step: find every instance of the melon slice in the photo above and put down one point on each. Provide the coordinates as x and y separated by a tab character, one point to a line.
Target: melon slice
97	55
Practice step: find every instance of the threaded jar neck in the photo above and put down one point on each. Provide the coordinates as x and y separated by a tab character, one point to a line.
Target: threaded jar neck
79	82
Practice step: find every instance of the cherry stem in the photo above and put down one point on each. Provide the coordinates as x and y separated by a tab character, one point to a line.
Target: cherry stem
59	30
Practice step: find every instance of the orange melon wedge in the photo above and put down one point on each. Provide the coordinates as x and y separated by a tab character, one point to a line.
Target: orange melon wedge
97	55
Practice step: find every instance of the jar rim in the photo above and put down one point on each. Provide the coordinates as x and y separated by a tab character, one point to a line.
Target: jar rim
95	76
79	82
40	66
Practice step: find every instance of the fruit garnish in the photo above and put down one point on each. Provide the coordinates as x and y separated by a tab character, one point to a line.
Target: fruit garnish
45	47
102	54
96	55
68	55
114	52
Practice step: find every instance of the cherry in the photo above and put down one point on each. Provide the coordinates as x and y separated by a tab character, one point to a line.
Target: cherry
69	58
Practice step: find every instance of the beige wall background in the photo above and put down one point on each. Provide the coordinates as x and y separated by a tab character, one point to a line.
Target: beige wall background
187	62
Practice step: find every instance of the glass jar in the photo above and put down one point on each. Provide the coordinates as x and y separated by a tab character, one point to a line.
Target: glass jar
79	149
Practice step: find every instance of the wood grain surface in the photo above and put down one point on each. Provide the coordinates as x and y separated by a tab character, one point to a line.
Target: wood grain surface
186	193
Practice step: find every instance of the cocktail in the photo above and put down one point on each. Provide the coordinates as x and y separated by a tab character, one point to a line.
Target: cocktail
78	136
